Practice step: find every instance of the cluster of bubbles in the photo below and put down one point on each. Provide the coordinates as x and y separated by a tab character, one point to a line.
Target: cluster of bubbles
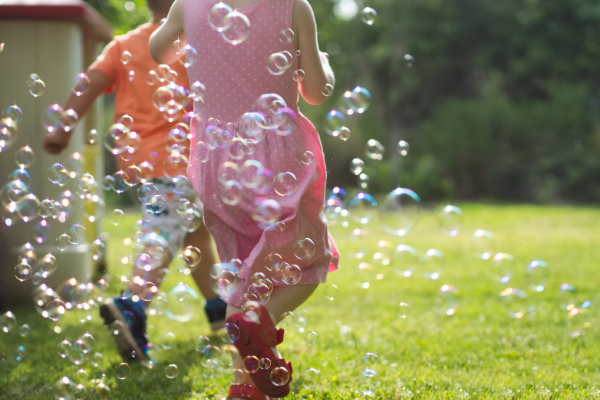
397	213
233	26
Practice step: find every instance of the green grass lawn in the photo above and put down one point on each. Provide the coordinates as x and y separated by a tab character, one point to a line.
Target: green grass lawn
479	352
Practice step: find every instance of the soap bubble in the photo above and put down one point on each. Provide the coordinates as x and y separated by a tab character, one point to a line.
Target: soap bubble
433	264
344	133
357	166
63	242
450	219
23	272
177	46
123	371
356	100
157	204
146	192
362	207
503	267
116	216
331	291
24	157
92	137
69	121
76	234
55	309
403	148
24	330
125	57
276	63
64	348
13	115
7	322
290	274
181	184
251	364
268	212
285	184
402	310
301	318
368	15
327	90
232	192
448	300
27	207
299	75
82	84
126	121
334	122
53	117
374	150
181	302
58	174
308	158
228	356
304	249
537	273
404	260
98	249
238	28
280	376
86	182
363	181
286	36
117	139
311	338
399	211
12	192
37	88
8	134
409	60
47	264
216	17
482	243
171	371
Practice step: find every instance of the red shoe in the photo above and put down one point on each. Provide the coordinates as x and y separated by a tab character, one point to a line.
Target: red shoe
246	392
257	340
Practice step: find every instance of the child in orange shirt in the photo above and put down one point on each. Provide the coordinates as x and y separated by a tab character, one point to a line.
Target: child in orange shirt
126	64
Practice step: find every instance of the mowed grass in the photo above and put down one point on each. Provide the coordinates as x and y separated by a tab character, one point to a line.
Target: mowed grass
479	352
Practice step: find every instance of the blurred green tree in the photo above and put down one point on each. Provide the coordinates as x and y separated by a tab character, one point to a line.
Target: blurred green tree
500	101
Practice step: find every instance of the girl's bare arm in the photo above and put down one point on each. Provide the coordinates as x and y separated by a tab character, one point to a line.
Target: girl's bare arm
171	30
313	62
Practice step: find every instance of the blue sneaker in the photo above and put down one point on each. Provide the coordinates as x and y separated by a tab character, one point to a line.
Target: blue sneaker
127	321
216	311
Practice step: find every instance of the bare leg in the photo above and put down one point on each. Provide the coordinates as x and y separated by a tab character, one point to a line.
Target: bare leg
155	276
202	240
284	298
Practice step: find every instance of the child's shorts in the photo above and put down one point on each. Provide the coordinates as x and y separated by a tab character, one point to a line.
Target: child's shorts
169	223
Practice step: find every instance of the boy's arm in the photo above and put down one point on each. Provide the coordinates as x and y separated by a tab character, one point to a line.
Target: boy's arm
171	30
58	140
314	63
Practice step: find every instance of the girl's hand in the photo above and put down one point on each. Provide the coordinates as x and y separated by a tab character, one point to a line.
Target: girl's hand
56	142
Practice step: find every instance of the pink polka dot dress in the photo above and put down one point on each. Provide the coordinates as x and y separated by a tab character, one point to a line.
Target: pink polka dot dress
256	162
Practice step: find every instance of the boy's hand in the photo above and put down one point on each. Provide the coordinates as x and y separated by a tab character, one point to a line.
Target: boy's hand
56	142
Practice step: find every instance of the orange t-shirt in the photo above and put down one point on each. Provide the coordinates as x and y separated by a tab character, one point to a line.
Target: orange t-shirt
134	94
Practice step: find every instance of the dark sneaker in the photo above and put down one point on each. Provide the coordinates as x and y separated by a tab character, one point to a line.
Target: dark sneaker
216	311
127	321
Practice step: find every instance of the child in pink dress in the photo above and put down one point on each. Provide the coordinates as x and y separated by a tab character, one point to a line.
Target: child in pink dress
256	163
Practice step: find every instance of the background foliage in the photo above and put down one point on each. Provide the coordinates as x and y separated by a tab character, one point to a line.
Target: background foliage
500	103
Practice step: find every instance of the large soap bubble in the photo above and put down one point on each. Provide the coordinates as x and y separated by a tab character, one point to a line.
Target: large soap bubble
399	211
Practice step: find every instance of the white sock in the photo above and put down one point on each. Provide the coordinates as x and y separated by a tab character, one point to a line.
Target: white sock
253	317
